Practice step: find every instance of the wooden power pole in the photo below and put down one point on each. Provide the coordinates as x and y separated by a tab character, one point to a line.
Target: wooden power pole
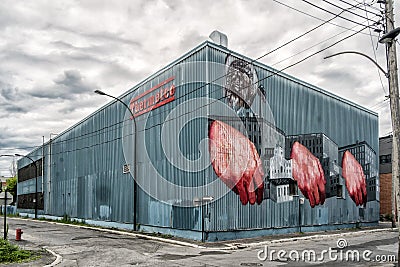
394	104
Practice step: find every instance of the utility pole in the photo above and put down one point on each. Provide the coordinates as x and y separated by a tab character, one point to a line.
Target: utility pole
394	104
5	214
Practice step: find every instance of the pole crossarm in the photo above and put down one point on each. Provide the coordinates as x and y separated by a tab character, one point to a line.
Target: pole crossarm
361	54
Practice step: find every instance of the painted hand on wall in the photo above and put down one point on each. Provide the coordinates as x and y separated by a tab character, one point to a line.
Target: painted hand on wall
355	178
236	162
308	173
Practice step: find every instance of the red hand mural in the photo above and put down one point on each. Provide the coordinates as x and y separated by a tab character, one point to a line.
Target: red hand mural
308	173
355	178
236	162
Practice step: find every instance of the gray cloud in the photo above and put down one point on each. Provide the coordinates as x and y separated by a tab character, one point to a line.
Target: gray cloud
69	85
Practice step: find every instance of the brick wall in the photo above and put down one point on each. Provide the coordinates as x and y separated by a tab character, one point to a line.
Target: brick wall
386	193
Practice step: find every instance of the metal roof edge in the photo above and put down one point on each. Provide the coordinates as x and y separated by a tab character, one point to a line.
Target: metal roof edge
189	53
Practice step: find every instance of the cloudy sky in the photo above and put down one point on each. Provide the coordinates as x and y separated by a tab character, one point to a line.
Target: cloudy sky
53	54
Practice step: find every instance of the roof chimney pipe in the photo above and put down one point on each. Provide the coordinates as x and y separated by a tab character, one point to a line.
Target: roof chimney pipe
219	38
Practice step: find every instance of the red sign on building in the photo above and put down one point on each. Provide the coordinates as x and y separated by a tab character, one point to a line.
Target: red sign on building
153	98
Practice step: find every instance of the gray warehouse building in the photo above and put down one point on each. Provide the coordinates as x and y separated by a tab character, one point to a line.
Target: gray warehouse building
199	134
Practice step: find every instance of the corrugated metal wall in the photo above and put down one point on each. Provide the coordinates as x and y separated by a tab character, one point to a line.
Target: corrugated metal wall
300	108
84	165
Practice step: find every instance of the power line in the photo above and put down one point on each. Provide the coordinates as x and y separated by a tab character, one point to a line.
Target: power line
330	12
361	8
373	49
186	113
380	103
315	17
384	14
275	73
310	47
304	34
252	61
370	5
351	12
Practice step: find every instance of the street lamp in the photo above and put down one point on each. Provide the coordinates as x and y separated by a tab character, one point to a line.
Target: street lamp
5	204
135	198
389	36
361	54
36	182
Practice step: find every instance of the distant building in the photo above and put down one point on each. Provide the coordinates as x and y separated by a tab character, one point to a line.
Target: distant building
327	152
385	173
366	156
281	184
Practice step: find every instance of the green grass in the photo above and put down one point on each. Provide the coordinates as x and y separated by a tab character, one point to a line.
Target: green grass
11	253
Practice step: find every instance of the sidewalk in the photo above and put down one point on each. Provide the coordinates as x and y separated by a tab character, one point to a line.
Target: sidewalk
265	240
238	243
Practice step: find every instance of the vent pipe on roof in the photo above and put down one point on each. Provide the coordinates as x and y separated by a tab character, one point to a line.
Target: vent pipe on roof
219	38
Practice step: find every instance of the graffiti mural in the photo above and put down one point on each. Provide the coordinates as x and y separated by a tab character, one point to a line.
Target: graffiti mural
237	153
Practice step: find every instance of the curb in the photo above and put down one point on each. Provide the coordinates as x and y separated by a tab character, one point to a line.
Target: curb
302	238
227	246
143	236
56	261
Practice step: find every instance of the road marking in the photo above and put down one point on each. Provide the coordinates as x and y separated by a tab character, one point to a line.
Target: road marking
56	261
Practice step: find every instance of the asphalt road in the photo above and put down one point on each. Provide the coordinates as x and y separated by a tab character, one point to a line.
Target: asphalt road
86	247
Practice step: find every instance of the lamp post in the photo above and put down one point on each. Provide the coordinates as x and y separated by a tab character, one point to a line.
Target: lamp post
135	198
393	95
5	205
49	185
36	182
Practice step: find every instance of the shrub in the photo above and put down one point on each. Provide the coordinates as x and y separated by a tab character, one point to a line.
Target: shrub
12	253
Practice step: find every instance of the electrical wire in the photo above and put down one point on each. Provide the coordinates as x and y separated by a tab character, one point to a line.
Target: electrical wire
305	33
376	14
330	12
252	61
274	73
380	103
373	49
370	5
384	14
310	47
189	112
333	4
312	16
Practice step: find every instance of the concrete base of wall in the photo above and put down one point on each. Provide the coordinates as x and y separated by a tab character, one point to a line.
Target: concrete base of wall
211	236
250	233
105	224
